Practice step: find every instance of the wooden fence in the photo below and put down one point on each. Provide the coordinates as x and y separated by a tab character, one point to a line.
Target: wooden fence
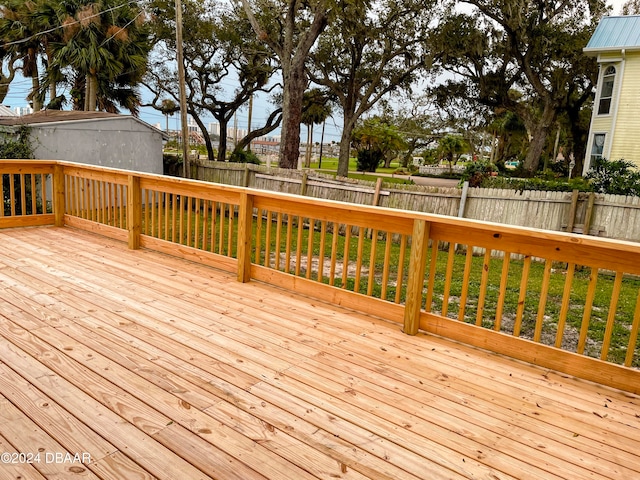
563	301
610	216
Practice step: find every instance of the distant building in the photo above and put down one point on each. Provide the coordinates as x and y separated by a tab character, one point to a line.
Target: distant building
615	126
94	138
20	111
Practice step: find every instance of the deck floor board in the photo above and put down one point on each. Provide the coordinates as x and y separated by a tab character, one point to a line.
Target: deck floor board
163	368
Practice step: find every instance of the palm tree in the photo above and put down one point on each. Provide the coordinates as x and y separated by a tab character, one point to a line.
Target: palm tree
106	44
19	31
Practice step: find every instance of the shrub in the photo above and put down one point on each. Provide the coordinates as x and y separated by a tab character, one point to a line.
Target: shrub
476	172
368	160
553	185
614	177
244	156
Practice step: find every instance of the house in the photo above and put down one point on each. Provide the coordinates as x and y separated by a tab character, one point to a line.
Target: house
615	127
96	138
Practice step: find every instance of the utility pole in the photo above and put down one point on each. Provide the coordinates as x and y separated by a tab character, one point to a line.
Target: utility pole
249	119
183	92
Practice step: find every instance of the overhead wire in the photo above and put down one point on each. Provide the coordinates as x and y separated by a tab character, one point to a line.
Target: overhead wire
44	32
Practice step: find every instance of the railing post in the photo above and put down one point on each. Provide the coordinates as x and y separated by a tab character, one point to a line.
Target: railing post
134	211
245	229
415	280
58	195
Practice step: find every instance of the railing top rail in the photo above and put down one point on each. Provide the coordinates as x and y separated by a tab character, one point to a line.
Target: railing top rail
559	246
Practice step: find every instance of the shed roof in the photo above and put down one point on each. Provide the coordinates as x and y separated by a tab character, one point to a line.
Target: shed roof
6	112
60	116
615	33
49	116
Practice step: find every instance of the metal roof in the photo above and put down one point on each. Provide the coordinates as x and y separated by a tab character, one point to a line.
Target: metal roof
7	112
615	33
48	116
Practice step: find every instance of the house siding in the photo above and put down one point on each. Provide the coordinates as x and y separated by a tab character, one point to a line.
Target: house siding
626	144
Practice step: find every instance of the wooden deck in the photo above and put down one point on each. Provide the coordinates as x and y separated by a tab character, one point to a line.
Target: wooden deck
141	365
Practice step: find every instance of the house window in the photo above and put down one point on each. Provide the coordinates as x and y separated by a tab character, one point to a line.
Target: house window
606	91
597	148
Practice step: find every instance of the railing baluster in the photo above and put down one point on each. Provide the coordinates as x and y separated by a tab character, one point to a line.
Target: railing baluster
386	265
400	274
34	194
2	194
372	262
299	245
564	309
12	194
542	301
223	214
361	233
323	234
278	240
524	280
633	334
230	231
588	305
447	279
23	195
502	293
287	251
464	293
267	246
189	234
334	253
174	208
611	318
310	247
205	223
433	265
196	227
484	280
214	223
345	256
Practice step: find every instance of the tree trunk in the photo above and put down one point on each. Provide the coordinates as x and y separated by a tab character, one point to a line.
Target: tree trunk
345	145
538	138
35	93
222	142
205	136
5	80
294	86
91	93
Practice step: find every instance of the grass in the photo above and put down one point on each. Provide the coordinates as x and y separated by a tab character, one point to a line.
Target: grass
330	167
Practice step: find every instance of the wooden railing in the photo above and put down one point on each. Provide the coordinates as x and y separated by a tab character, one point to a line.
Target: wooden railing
562	301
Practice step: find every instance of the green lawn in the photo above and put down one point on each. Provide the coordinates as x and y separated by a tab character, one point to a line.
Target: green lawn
330	167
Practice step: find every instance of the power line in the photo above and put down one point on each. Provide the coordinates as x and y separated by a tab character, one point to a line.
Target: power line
44	32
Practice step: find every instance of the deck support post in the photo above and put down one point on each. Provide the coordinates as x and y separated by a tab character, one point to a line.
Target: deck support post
134	211
415	280
245	224
58	195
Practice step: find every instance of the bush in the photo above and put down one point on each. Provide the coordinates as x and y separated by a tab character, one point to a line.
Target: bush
244	156
477	172
554	185
615	177
18	147
368	160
